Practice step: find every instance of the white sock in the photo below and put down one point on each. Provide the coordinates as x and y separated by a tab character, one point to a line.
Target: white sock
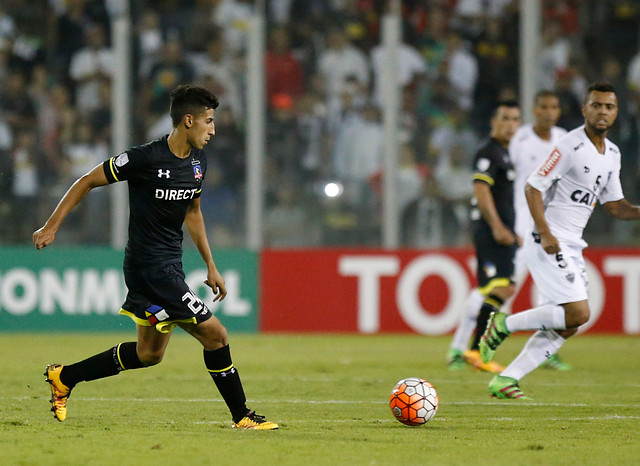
547	317
468	321
538	349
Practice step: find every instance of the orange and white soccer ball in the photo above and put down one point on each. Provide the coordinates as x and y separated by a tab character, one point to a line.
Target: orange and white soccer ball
413	401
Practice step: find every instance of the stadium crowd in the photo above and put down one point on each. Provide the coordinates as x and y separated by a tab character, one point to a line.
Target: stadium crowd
323	71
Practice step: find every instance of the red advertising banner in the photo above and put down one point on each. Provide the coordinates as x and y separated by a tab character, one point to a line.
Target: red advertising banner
417	291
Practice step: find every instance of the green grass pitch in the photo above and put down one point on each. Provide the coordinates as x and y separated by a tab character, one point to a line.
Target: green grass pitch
329	393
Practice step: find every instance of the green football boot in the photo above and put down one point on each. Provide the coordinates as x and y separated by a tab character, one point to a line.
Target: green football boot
495	334
506	388
455	360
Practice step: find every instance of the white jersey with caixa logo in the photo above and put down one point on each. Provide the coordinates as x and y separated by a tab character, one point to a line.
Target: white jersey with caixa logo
573	178
527	150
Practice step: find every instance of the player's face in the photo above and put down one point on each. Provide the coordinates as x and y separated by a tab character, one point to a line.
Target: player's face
505	123
547	111
202	129
600	111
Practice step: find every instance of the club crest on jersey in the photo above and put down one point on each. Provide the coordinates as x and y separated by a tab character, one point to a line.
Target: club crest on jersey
550	164
165	173
121	160
197	172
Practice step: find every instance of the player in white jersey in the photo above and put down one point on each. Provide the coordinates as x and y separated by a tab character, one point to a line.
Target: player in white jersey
529	147
583	169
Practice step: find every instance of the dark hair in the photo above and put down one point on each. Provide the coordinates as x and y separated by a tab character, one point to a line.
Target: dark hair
509	103
600	86
544	93
186	99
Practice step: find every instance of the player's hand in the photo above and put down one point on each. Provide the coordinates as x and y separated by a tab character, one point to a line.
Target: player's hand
549	243
216	283
503	236
43	237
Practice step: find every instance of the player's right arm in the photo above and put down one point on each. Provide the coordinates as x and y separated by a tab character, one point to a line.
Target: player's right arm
548	242
78	190
487	207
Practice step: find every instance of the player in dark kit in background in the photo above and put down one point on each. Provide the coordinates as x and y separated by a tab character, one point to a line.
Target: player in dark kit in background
164	178
494	239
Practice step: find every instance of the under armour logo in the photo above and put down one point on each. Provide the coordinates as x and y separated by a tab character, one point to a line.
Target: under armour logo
587	169
162	173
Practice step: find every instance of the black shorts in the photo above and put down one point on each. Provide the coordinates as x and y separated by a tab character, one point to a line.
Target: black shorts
495	262
160	297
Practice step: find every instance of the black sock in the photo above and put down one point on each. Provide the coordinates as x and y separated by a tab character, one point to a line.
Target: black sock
491	304
227	379
111	362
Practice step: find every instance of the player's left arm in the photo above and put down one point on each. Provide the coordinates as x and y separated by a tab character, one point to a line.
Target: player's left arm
194	222
623	209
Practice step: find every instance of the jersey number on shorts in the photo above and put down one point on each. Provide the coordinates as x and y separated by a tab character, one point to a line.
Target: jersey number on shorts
194	303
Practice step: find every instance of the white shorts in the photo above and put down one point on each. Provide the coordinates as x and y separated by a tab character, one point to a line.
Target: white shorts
560	278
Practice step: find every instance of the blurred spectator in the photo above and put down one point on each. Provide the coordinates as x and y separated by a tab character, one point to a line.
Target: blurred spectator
432	42
283	72
357	154
461	69
453	178
89	67
232	17
570	103
216	67
497	66
312	125
7	25
25	184
554	54
67	34
228	150
56	120
410	65
172	69
341	61
470	16
84	152
150	41
422	221
621	33
282	138
16	103
361	23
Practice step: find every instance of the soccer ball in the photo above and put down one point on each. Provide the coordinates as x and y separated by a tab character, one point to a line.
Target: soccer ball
413	401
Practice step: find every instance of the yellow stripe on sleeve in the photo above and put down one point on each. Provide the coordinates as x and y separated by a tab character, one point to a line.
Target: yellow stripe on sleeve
482	177
113	172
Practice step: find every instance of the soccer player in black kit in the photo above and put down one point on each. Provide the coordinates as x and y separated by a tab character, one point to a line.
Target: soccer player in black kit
165	181
493	219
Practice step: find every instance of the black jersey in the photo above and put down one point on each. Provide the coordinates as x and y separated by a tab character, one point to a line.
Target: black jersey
493	165
161	186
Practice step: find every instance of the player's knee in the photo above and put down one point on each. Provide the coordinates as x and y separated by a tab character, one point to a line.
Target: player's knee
213	334
150	357
576	315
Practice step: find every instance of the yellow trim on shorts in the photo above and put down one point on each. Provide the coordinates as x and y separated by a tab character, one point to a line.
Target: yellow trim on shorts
167	326
499	282
482	177
217	371
111	162
135	318
162	327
